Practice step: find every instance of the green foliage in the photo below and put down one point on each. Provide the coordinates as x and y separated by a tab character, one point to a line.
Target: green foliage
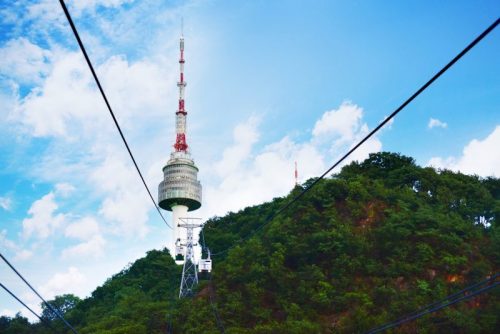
61	304
378	240
381	238
16	325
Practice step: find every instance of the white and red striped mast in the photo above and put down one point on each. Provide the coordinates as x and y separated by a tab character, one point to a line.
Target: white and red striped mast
296	174
180	120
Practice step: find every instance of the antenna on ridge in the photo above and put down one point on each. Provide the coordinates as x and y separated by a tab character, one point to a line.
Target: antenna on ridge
296	174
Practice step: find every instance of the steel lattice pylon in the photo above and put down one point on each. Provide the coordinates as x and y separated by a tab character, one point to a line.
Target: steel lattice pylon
189	269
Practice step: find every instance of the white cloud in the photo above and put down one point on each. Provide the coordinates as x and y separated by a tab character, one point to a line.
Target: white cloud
340	129
43	221
94	247
23	255
47	111
433	123
24	61
82	229
126	204
9	94
20	254
8	313
80	5
245	135
5	243
85	229
130	212
442	163
61	283
64	189
136	88
51	12
248	177
132	89
481	157
5	203
45	11
67	105
341	123
262	176
79	122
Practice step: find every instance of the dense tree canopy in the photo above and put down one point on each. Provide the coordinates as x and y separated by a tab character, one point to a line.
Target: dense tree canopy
376	241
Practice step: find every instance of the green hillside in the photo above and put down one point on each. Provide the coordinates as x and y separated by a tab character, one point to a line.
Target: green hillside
376	241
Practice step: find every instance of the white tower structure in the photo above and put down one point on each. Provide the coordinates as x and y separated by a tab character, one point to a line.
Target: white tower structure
180	190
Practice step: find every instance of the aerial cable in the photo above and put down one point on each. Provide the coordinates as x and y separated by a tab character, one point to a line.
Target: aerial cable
51	308
440	305
419	315
91	67
453	296
22	303
447	298
369	135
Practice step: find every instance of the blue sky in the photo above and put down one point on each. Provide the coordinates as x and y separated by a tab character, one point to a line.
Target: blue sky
269	83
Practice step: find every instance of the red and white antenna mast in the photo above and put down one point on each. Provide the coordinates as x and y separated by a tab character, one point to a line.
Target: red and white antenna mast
180	120
296	174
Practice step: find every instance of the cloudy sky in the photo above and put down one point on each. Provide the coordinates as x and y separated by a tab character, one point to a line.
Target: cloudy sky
269	83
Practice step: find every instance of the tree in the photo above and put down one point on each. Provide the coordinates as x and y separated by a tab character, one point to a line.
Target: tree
62	304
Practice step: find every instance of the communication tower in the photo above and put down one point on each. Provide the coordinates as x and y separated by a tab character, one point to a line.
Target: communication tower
180	190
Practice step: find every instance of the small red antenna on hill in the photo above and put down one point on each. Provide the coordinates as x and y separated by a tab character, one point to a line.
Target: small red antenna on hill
296	174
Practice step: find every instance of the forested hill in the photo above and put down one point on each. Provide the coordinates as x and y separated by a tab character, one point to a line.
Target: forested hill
376	241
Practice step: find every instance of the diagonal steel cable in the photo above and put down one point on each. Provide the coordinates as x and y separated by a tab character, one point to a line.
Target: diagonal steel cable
91	67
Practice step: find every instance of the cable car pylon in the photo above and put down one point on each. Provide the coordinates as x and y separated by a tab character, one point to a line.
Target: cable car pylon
189	278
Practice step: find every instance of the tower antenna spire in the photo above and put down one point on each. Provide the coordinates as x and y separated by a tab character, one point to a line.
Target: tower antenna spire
180	140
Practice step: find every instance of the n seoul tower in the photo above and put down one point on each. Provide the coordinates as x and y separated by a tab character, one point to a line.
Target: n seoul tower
180	190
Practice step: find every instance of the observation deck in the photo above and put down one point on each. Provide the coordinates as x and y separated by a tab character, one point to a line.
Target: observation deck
180	185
